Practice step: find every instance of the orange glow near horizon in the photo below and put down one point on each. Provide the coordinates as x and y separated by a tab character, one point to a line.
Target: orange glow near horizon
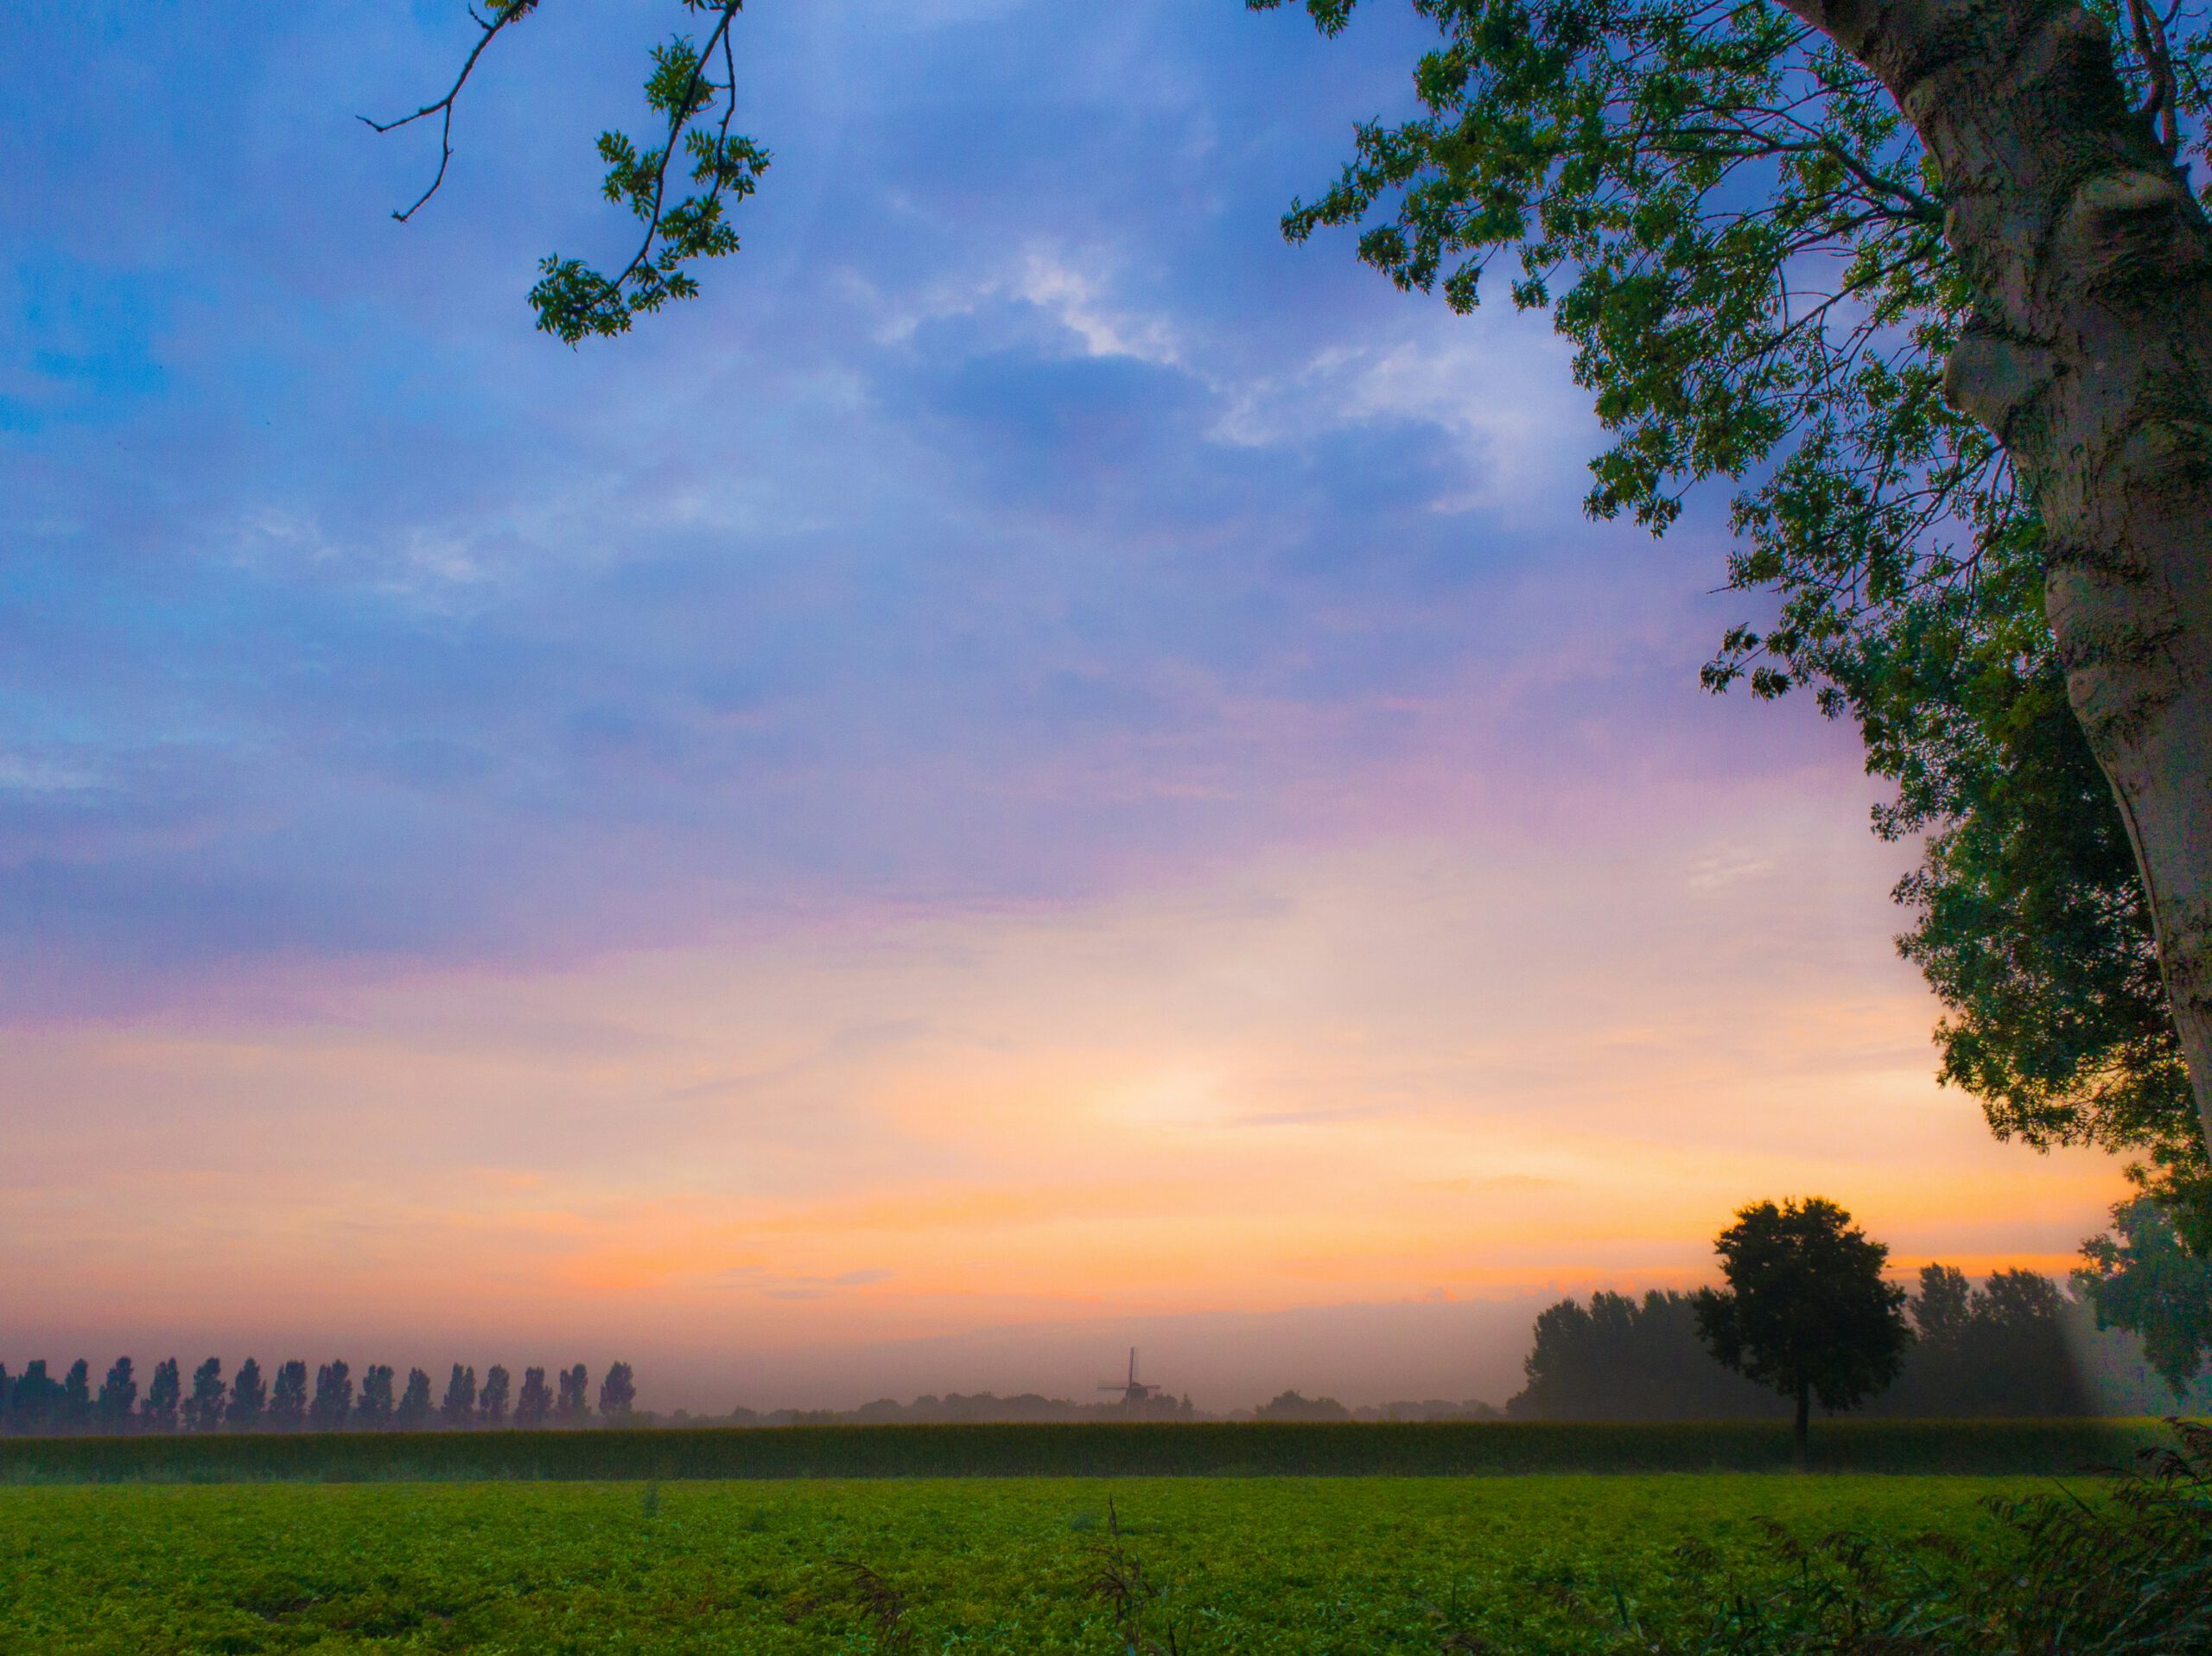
1413	1067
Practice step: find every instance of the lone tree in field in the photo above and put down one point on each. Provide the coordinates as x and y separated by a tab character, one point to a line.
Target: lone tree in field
1806	1311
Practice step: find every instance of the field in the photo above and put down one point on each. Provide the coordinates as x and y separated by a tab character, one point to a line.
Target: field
1222	1448
1552	1564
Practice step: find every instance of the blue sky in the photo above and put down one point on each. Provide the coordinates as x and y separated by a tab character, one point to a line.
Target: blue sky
929	553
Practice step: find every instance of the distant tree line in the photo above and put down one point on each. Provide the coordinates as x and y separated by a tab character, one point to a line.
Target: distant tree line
2000	1349
253	1400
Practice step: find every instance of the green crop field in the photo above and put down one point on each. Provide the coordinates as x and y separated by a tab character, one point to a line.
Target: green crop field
1551	1563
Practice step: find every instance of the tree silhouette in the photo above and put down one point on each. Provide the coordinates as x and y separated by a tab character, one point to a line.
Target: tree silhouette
76	1412
492	1402
1619	1358
163	1394
248	1398
459	1408
36	1399
333	1398
574	1406
413	1410
374	1410
533	1403
617	1394
203	1407
1806	1311
118	1395
288	1398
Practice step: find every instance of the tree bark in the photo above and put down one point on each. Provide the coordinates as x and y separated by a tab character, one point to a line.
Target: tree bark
1804	1422
2090	358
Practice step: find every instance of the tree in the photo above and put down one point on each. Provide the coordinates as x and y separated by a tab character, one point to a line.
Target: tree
35	1399
1997	1350
248	1398
1296	1405
375	1409
492	1402
1621	1360
203	1407
119	1397
574	1406
413	1412
572	299
617	1394
1806	1311
2143	1279
288	1398
332	1404
459	1408
76	1410
163	1394
533	1403
2029	918
2007	374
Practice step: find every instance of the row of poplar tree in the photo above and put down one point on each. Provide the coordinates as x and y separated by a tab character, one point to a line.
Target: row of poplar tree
34	1401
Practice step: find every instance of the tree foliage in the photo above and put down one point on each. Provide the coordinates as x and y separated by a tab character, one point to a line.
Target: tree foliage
1622	1359
1998	1349
412	1413
574	298
2143	1279
617	1394
1806	1311
203	1407
332	1407
288	1398
248	1398
1728	218
163	1395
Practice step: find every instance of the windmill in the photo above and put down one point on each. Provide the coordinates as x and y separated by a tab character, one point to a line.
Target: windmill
1133	1390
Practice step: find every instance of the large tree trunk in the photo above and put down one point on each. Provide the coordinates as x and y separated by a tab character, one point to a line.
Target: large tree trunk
2091	361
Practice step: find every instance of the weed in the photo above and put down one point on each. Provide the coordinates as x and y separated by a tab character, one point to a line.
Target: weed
1136	1600
884	1604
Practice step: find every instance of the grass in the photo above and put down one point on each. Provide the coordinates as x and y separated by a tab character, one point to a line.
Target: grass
1564	1564
1444	1448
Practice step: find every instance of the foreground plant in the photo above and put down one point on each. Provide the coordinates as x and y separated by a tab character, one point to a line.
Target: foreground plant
2125	1573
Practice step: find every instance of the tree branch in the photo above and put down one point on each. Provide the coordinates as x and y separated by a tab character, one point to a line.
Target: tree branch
504	12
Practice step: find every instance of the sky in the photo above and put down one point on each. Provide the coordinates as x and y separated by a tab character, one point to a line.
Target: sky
1037	770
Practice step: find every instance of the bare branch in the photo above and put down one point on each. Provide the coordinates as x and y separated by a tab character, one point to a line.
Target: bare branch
510	11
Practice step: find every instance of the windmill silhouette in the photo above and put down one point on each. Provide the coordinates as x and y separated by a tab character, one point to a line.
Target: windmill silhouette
1133	1390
